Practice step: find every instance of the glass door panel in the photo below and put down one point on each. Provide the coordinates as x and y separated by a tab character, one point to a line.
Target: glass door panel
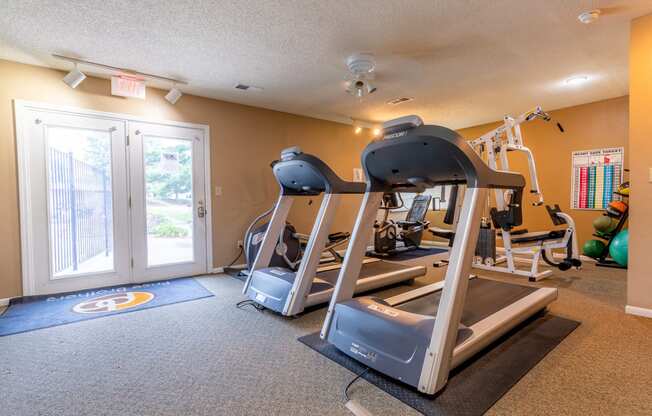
169	200
80	201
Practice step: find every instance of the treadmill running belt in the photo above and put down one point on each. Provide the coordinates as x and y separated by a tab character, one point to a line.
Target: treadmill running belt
368	270
483	298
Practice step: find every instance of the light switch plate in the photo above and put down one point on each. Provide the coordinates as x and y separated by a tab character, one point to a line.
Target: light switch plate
358	175
218	191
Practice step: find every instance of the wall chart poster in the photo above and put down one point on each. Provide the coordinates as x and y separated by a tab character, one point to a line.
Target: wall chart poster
596	176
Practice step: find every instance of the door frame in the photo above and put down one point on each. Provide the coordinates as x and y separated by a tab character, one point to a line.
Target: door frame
21	110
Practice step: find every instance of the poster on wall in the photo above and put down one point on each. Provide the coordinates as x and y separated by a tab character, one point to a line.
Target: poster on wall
596	176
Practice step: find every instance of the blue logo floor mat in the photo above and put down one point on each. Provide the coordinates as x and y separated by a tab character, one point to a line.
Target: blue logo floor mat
38	312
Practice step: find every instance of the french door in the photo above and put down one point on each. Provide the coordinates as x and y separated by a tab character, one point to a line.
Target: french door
168	204
107	201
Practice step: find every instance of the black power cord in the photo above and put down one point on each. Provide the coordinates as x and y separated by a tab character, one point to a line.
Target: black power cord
249	302
236	259
348	386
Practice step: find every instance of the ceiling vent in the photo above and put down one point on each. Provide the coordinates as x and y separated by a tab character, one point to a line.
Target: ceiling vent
245	87
400	100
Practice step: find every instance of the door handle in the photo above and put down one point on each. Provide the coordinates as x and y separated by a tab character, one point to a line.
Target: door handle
201	211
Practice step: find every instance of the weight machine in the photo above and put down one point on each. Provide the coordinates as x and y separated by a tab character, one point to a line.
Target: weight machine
507	213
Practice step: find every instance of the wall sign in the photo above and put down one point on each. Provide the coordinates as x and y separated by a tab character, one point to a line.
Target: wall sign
596	176
125	86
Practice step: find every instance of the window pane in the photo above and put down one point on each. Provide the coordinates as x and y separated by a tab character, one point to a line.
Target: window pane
80	211
168	188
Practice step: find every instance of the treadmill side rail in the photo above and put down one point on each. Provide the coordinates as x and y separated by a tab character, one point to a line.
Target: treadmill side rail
355	252
437	362
308	267
501	322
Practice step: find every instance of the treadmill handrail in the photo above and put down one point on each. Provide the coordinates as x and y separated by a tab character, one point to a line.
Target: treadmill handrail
302	174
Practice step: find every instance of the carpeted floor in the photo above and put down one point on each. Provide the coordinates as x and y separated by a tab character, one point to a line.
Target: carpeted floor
208	358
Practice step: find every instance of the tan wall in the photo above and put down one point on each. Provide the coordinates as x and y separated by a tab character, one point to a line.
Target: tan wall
639	280
244	141
588	126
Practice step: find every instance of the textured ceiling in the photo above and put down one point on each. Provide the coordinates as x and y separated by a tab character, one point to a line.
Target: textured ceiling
463	61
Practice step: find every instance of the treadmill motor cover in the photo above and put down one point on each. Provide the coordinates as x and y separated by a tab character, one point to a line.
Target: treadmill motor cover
384	338
271	287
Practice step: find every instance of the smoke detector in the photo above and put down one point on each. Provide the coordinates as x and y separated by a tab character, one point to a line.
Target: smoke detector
361	67
590	16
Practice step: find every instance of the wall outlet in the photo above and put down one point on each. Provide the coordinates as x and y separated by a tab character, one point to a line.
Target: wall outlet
240	244
358	175
218	191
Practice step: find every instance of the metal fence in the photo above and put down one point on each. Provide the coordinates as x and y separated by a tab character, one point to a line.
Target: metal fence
80	211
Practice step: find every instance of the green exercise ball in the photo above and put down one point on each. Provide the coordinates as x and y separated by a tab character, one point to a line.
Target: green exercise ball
618	247
604	224
593	248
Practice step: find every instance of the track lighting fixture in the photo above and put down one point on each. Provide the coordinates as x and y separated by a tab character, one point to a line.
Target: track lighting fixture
74	77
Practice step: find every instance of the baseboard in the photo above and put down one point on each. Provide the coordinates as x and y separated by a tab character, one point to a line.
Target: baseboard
635	310
4	302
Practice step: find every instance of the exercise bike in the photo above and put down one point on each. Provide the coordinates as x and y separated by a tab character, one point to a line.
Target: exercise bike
394	237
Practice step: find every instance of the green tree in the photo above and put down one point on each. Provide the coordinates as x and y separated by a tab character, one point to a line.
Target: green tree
163	184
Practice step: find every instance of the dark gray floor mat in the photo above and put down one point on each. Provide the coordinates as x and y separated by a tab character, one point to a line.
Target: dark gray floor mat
476	385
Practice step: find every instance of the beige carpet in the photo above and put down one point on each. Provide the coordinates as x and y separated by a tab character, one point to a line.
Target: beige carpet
206	357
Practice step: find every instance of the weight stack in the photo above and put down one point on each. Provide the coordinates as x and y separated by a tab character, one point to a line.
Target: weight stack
486	247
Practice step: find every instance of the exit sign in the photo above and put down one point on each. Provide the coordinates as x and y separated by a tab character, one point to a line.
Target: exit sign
125	86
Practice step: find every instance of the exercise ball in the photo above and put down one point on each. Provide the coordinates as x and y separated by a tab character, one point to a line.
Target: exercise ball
593	248
618	247
604	224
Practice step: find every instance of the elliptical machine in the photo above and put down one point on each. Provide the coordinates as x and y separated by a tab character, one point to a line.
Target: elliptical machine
388	233
288	251
290	247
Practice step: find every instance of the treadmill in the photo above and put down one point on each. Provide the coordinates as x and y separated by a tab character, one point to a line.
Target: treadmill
287	291
418	337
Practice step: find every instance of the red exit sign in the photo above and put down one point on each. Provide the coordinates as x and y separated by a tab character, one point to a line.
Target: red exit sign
126	86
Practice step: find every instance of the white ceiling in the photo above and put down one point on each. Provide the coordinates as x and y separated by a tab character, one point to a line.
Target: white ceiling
464	61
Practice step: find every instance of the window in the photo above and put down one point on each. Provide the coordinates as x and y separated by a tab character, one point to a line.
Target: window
440	196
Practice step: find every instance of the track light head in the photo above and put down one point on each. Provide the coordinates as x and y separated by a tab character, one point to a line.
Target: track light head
74	77
173	96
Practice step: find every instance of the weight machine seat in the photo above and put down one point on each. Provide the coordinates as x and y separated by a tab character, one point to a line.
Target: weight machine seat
442	232
338	237
539	236
406	225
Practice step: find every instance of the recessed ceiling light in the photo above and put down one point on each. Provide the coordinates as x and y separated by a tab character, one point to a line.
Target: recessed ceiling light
577	80
589	17
399	100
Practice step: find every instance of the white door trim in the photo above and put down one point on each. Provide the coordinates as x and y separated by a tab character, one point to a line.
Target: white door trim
21	107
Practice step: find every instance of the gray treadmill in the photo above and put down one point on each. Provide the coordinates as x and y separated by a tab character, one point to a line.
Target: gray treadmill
419	336
287	291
